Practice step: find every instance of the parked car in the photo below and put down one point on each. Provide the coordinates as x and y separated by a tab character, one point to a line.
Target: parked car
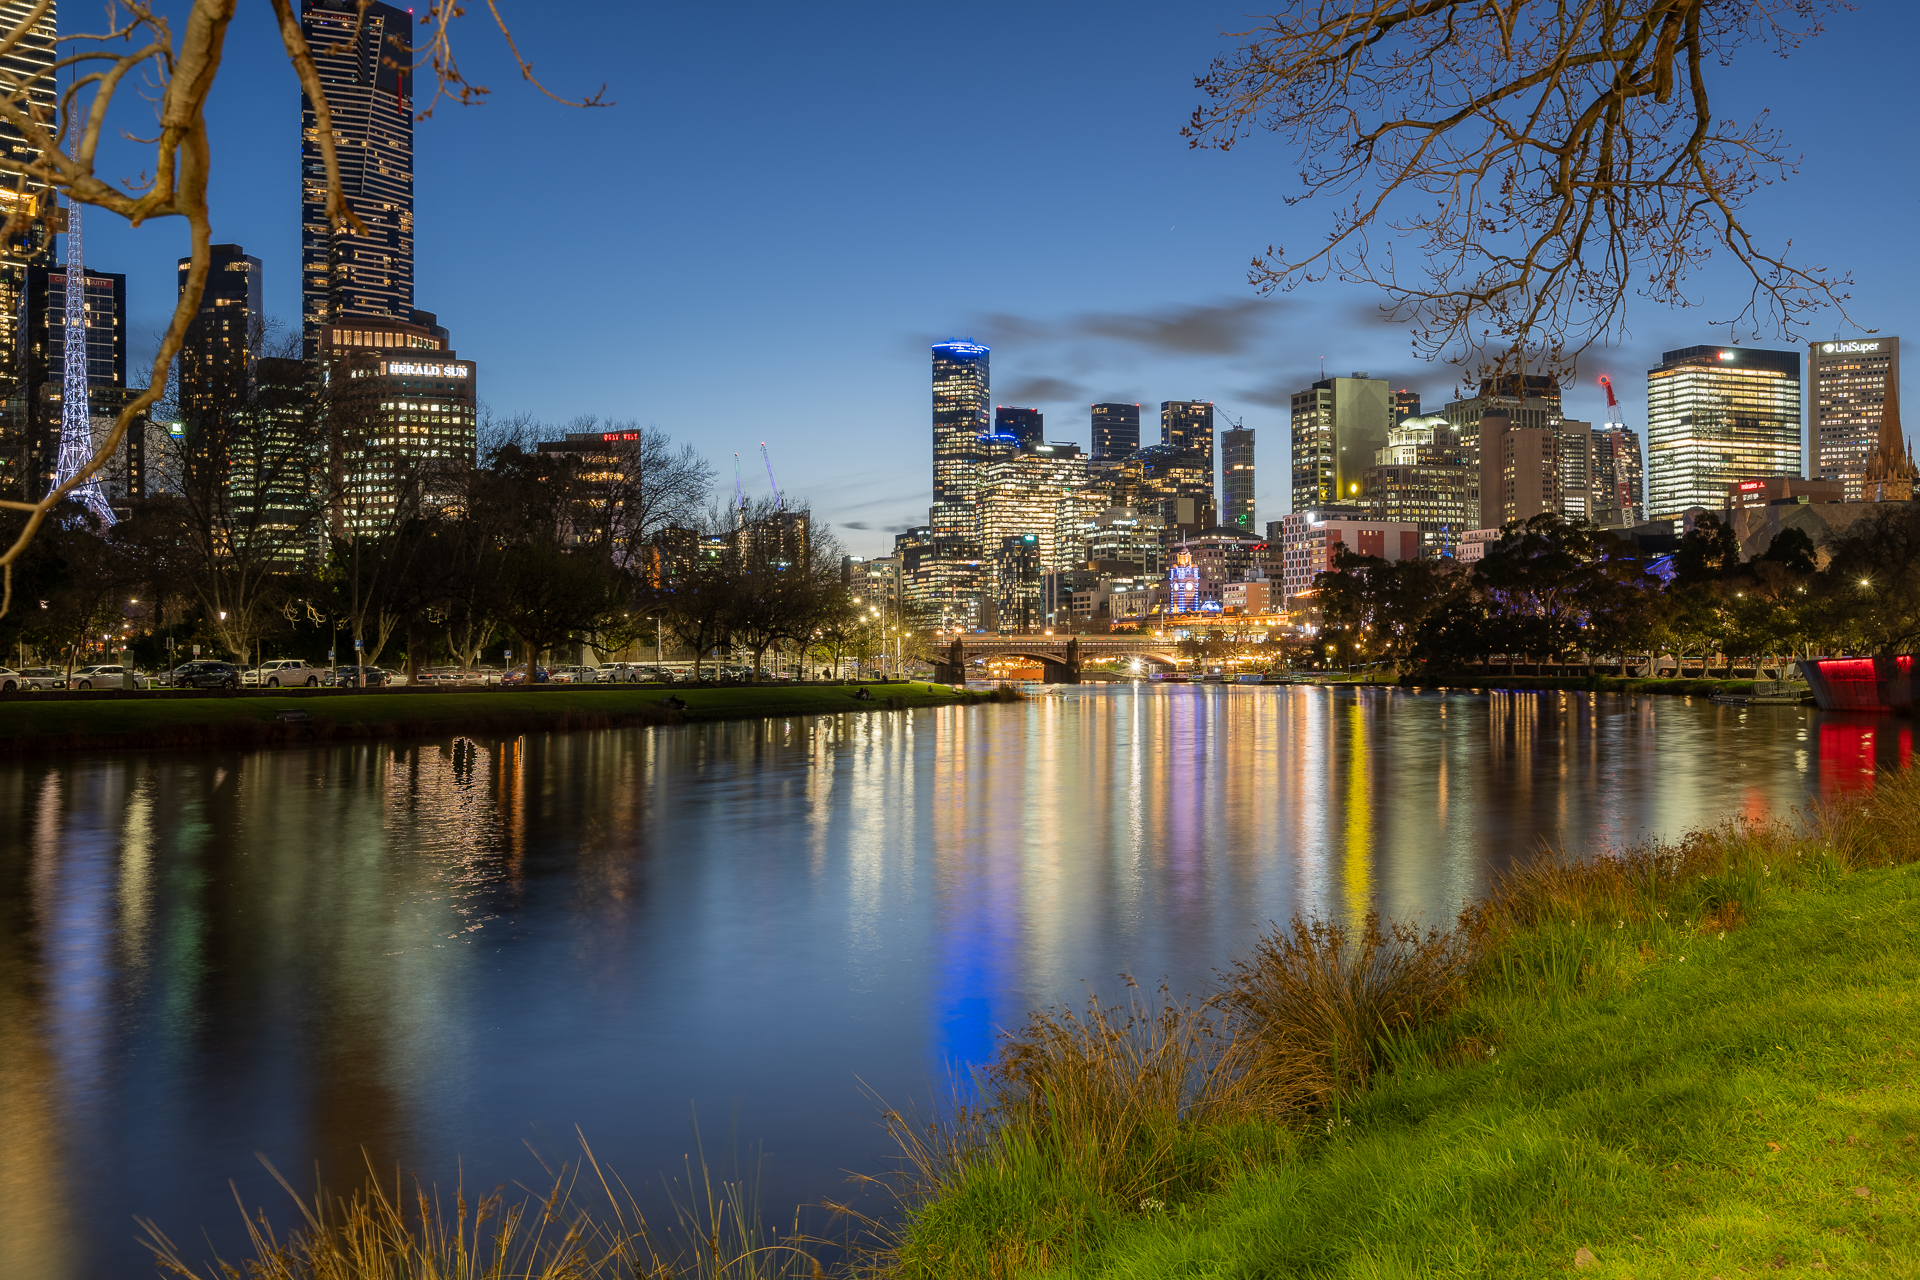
487	675
349	677
42	678
205	673
518	675
9	680
284	673
106	676
573	673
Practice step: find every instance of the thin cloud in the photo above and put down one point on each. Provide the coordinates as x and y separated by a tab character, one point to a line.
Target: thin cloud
1042	390
864	527
1225	328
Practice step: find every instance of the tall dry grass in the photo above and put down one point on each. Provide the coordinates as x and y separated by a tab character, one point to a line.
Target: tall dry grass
1143	1100
586	1225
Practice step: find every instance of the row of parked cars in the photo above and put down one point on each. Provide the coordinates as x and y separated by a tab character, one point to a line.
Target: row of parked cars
293	673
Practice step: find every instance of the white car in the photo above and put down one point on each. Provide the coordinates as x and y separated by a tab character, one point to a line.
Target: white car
284	673
102	677
573	674
11	680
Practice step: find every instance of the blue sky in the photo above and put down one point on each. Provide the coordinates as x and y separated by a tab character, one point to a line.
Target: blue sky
787	204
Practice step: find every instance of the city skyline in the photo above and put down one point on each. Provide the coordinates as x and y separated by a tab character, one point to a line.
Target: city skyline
876	288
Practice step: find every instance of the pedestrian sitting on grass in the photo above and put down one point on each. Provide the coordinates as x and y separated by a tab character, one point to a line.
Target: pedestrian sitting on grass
865	694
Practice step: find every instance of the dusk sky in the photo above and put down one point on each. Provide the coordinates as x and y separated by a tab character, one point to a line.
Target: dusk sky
787	204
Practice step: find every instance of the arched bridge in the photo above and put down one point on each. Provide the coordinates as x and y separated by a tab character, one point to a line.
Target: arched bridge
1060	657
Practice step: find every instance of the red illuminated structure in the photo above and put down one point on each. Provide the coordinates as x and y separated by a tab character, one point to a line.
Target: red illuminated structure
1862	684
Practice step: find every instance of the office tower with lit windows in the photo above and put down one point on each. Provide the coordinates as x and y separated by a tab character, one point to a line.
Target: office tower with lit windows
1116	431
28	71
1236	480
1529	402
42	333
364	55
1339	424
961	415
1406	404
1422	478
1619	478
1716	415
1020	494
1187	426
1853	378
1017	564
1577	468
1026	426
214	361
399	410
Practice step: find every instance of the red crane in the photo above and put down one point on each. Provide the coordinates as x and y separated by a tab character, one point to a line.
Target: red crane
1612	404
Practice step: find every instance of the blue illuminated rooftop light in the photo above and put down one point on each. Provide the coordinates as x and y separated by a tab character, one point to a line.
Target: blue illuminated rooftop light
961	347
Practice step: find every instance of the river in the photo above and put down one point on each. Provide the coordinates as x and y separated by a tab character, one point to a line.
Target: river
426	953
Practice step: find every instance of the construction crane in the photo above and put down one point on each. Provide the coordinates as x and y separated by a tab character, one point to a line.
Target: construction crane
1613	406
739	497
778	505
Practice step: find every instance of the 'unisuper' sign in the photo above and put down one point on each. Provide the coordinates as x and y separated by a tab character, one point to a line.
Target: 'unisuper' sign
1847	348
405	369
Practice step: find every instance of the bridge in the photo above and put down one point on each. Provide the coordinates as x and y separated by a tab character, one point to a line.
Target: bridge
1060	657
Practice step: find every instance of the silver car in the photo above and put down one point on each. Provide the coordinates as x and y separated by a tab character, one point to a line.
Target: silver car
101	677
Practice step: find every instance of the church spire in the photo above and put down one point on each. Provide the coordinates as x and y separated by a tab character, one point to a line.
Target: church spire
1890	471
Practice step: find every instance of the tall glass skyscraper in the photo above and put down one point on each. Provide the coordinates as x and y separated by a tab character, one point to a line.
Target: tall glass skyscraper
363	56
1236	480
215	355
1716	415
962	413
26	74
1027	426
1853	380
1116	431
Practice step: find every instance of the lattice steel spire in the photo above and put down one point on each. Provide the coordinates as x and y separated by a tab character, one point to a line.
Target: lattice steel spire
76	417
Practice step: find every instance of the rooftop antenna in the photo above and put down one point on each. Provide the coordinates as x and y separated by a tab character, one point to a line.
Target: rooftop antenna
76	418
778	505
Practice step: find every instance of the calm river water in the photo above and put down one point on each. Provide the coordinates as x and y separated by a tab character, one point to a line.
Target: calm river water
433	952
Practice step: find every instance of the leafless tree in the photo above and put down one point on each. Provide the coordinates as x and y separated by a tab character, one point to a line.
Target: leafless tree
175	74
1507	172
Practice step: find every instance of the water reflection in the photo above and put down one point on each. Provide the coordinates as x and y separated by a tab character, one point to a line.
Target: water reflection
408	955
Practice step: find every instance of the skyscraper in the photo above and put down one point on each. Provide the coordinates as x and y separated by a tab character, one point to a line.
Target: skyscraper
1027	426
42	340
1406	404
1530	401
1187	425
1620	488
1422	478
1853	378
1236	480
1339	424
1116	431
960	417
27	73
1021	492
1577	468
364	56
1716	415
214	357
1519	471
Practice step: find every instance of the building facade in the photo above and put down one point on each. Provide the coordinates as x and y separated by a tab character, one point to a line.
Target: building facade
1309	541
364	58
214	365
1236	480
1116	431
1853	379
41	329
1578	468
1338	425
961	415
1422	478
1020	495
30	73
1619	479
1187	427
1026	426
1519	471
1529	401
400	408
1716	415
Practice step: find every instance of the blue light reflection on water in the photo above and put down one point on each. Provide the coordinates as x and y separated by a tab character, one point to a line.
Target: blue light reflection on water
439	951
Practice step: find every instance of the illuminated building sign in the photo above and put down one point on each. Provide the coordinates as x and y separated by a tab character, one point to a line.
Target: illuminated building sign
1832	348
399	369
1753	484
621	435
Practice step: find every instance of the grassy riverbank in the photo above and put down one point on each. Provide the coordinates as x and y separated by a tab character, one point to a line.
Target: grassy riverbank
1692	1061
28	724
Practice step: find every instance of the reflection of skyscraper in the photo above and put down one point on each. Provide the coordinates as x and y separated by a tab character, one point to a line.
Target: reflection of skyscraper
1116	431
1853	378
1027	426
1236	479
364	56
1716	415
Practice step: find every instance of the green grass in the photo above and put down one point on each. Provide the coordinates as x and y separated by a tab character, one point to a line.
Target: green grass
28	724
1700	1062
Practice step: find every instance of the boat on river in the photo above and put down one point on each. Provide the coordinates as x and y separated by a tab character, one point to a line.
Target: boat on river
1861	684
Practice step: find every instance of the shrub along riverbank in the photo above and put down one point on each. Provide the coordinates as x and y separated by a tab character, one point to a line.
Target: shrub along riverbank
30	724
1689	1060
1693	1060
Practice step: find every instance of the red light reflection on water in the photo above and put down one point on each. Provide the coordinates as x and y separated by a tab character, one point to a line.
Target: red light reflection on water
1851	751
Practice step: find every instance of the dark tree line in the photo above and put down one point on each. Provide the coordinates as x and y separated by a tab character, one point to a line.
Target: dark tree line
1558	591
